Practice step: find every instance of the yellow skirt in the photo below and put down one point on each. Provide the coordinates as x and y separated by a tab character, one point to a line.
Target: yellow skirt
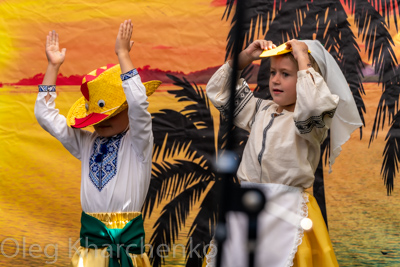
316	248
90	257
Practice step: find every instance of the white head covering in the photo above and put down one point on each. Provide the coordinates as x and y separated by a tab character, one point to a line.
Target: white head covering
346	118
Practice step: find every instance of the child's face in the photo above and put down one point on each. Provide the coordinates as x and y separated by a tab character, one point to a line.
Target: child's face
282	82
113	125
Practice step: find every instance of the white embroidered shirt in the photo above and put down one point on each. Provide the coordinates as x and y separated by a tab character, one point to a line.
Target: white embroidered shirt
124	190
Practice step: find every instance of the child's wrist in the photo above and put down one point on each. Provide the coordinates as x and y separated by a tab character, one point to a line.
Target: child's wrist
55	66
302	57
246	56
122	53
244	59
304	62
304	65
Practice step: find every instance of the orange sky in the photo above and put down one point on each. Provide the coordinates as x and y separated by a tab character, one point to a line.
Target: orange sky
176	35
170	35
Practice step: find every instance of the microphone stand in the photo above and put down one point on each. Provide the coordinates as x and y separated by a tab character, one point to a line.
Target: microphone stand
231	196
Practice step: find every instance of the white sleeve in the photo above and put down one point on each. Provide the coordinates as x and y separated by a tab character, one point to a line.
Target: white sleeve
140	125
56	124
315	106
246	105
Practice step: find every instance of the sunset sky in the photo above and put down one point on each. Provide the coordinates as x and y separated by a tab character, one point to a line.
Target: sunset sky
173	35
169	35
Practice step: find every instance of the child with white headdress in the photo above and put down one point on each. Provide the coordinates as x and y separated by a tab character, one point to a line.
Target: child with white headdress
310	95
116	158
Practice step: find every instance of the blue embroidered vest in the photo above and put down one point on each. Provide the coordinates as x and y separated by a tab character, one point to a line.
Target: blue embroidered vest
103	161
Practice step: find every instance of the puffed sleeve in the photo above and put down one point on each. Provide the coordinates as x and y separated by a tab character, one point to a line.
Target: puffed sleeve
246	105
315	106
140	125
55	124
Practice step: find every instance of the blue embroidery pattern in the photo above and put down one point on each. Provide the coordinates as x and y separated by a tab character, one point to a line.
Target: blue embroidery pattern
47	88
103	161
129	74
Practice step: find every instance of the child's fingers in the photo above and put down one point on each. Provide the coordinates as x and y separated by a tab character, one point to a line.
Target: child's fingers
56	39
121	30
258	43
270	45
130	29
53	37
125	28
63	51
266	45
289	44
49	37
130	25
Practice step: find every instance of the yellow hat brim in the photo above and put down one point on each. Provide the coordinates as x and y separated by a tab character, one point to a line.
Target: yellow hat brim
279	50
78	109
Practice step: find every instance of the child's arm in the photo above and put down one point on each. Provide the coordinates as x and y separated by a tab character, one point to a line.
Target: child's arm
123	46
300	53
315	104
219	86
55	58
139	118
45	112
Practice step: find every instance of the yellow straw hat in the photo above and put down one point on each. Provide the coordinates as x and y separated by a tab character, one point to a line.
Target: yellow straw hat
103	97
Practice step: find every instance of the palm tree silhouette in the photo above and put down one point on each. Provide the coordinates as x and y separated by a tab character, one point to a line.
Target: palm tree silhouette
185	148
327	22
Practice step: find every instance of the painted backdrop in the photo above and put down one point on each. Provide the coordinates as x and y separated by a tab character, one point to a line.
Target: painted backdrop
182	43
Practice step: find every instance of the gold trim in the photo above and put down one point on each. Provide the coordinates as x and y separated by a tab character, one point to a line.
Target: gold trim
114	220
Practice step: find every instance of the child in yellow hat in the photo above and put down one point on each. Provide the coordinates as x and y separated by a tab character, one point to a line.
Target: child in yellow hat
310	95
116	158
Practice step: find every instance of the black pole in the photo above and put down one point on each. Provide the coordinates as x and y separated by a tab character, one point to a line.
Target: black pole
225	186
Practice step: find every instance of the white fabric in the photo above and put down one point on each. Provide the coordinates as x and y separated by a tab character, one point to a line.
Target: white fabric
346	118
127	191
289	157
279	236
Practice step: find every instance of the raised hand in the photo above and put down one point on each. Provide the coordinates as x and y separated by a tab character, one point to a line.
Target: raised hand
300	53
253	52
123	43
255	49
54	55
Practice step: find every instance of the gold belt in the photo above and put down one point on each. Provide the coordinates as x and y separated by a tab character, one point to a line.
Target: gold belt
113	220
